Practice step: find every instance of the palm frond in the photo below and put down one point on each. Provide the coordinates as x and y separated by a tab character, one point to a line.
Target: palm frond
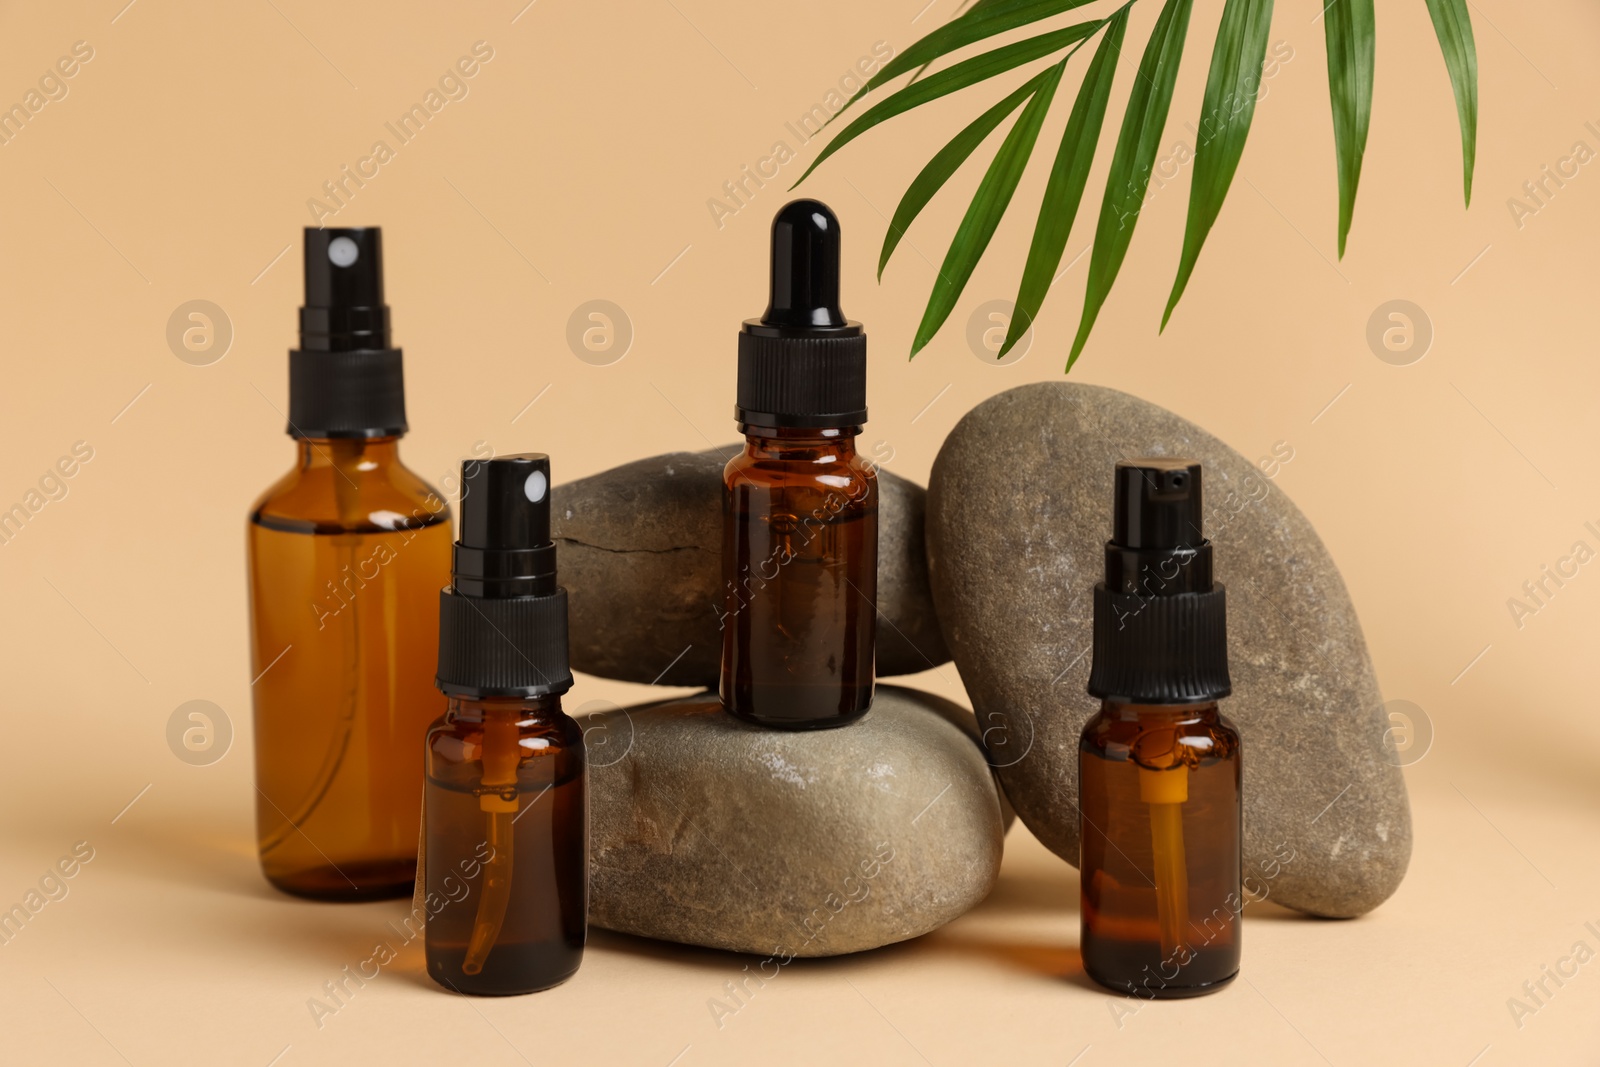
1232	87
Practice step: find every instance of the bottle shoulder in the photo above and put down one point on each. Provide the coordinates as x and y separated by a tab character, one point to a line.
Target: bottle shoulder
350	494
1126	732
455	740
823	471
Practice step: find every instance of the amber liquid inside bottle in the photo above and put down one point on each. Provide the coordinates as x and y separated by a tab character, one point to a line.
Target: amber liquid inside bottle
1160	849
347	554
508	845
800	574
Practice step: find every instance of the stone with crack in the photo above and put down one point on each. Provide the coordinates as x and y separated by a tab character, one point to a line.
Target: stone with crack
640	554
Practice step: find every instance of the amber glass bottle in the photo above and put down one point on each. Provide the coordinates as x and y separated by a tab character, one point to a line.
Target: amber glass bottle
506	846
800	506
346	556
507	822
1160	848
1159	767
801	565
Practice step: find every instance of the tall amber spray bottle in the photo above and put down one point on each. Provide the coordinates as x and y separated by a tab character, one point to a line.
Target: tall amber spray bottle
346	556
507	821
1158	767
800	507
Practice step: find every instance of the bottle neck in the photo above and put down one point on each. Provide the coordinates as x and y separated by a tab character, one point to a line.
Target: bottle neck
348	453
801	443
1161	714
504	709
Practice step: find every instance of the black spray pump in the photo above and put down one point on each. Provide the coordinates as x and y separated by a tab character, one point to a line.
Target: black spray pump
1160	826
1160	622
345	380
503	619
803	364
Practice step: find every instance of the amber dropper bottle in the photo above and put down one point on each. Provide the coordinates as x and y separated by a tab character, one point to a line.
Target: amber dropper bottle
800	506
346	555
507	822
1158	767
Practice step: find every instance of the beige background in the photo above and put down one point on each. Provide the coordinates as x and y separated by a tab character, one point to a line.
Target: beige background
579	167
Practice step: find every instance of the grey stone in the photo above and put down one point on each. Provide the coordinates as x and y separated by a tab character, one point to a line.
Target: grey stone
641	557
708	831
1019	510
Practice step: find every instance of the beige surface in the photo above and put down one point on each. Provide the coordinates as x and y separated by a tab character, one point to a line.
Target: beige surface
578	167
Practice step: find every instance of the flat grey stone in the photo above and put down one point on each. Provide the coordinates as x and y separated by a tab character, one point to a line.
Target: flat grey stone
708	831
640	554
1019	510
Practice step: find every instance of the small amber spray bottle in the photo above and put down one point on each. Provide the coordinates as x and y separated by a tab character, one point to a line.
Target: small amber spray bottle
507	822
800	507
1158	767
346	556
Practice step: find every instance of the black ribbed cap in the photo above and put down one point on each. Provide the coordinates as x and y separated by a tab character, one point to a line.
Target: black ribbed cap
1160	622
803	363
503	619
344	379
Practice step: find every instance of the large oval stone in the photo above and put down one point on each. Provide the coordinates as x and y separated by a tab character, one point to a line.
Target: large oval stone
708	831
641	558
1019	511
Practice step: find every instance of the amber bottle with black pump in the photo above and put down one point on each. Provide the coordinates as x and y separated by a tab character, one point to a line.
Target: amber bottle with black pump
1158	767
346	556
507	821
800	506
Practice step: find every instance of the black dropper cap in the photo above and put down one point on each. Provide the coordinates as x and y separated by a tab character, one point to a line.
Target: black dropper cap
503	619
344	379
803	364
1160	621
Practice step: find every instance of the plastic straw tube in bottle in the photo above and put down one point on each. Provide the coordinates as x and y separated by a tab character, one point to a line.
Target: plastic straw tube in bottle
1165	792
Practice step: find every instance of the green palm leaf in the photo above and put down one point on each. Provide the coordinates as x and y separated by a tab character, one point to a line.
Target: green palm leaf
1068	175
1135	153
988	204
987	18
1229	110
1348	27
941	166
968	72
1454	29
1230	104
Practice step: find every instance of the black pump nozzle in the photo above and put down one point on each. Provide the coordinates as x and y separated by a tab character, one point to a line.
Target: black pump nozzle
503	619
1160	622
344	379
802	363
804	288
505	548
344	309
1157	503
1157	547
